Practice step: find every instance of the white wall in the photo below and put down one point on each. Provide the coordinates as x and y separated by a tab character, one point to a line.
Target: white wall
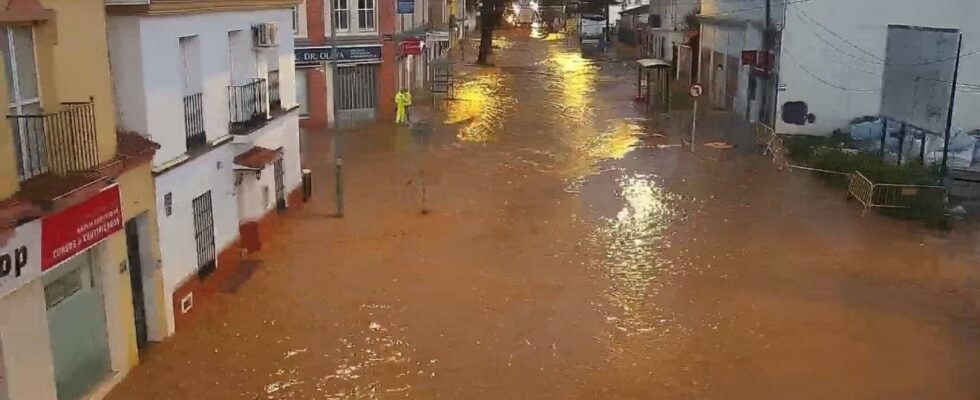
672	12
189	180
747	10
26	344
807	57
150	45
282	132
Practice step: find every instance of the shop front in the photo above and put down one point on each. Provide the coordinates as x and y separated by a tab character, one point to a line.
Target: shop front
350	75
55	335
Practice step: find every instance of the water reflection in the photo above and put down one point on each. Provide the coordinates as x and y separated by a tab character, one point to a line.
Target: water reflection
573	78
481	103
632	239
375	363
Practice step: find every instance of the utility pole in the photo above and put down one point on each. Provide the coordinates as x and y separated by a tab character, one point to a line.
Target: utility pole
767	54
952	101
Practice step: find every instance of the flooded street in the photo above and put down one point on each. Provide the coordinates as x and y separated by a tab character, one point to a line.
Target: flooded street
572	249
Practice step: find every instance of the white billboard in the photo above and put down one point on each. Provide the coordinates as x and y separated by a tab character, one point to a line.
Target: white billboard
918	75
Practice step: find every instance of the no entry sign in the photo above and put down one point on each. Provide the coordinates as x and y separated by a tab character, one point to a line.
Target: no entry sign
696	91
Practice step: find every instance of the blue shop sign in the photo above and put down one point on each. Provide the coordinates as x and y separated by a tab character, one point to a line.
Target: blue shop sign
406	6
319	54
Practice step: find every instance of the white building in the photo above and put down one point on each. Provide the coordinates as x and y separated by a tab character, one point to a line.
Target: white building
668	26
216	90
830	57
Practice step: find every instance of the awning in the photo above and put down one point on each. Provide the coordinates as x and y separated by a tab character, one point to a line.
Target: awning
652	63
644	9
256	158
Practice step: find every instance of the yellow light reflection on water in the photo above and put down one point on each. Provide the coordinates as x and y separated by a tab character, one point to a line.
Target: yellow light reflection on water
480	104
575	89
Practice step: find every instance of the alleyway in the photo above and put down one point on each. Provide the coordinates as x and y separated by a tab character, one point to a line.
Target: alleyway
574	251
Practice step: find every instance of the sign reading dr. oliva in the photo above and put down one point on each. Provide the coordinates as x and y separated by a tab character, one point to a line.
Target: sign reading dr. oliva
20	257
345	54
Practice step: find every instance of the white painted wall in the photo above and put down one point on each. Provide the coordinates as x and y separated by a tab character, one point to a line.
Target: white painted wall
807	58
26	344
672	12
151	101
282	132
189	180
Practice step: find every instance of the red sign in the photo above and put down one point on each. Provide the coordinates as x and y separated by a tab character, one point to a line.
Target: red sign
412	47
74	230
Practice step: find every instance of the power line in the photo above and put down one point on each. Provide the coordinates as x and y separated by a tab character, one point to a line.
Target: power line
822	80
859	48
752	8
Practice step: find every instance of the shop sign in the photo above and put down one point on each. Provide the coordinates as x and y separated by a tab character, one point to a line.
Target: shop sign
312	55
437	36
20	257
412	47
321	54
406	6
80	227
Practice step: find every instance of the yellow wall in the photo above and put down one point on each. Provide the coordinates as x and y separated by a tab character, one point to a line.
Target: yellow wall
8	167
81	63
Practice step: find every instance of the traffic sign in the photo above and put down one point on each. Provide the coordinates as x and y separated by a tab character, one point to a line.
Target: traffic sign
696	91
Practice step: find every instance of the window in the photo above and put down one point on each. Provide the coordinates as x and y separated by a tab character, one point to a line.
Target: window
299	19
301	92
168	204
17	45
295	19
341	15
204	235
365	15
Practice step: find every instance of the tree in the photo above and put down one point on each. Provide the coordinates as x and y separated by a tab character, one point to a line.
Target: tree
491	12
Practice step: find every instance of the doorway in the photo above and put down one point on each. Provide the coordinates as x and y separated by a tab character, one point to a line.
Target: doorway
278	172
134	255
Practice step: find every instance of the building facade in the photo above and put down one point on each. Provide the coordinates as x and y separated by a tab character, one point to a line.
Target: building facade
829	59
668	28
80	292
215	87
351	58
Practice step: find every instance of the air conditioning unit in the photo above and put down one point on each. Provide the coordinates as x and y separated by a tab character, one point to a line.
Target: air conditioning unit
265	35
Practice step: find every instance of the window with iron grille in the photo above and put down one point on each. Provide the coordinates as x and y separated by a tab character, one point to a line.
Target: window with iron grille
168	204
204	235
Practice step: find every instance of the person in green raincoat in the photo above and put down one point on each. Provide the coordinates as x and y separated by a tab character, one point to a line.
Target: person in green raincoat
402	100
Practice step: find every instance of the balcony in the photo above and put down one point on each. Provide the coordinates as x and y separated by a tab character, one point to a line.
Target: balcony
275	101
61	142
248	106
194	134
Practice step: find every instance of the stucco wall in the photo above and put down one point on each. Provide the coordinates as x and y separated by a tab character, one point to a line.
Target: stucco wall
190	180
26	344
162	70
811	54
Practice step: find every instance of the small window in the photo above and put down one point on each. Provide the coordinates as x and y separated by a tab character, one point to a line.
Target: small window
168	204
62	288
341	15
365	15
265	196
295	19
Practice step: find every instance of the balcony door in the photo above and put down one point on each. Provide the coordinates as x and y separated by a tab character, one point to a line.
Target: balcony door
17	44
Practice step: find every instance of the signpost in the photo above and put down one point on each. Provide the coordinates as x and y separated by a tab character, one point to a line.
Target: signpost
696	91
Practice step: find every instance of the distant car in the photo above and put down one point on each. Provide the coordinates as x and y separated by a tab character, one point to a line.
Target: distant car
590	29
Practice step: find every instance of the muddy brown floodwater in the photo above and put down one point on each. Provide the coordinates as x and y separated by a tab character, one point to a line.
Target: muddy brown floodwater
574	251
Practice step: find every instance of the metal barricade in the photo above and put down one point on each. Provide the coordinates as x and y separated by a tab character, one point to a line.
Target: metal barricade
861	188
885	195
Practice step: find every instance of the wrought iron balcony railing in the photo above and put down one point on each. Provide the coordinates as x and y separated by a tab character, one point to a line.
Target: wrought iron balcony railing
194	121
59	142
248	106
